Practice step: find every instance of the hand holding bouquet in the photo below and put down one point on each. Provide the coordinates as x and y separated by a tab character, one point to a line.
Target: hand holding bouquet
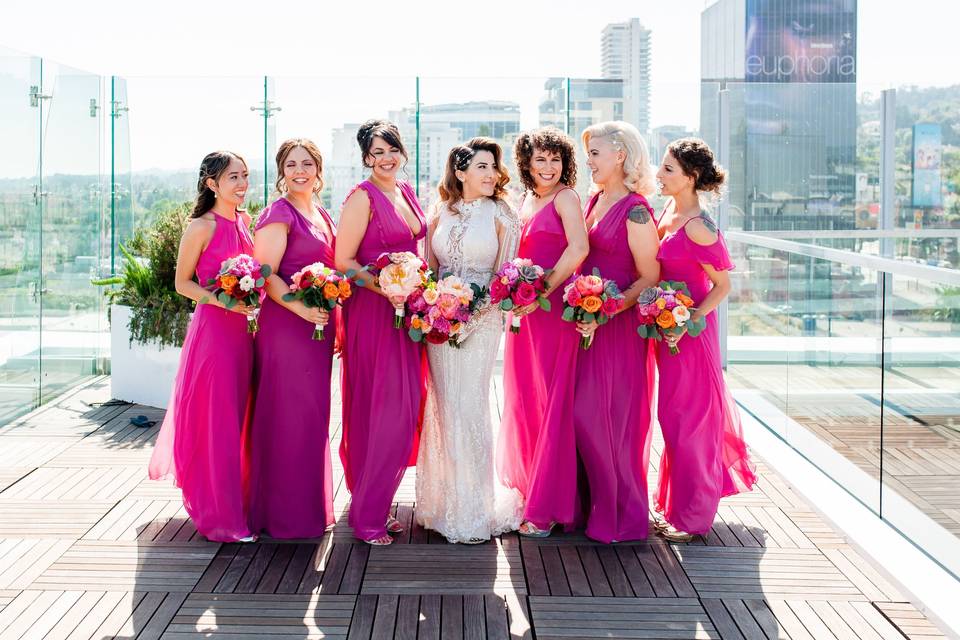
240	281
319	287
591	299
440	309
519	283
665	310
398	275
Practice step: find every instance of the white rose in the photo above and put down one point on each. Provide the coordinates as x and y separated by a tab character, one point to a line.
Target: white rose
246	283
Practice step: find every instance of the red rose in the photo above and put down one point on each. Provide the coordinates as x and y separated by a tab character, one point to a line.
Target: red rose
435	337
382	261
525	294
498	291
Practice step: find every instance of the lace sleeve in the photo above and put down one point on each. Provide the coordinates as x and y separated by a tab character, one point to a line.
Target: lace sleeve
508	228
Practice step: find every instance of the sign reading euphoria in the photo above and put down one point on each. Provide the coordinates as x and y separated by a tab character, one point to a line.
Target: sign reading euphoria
927	148
801	41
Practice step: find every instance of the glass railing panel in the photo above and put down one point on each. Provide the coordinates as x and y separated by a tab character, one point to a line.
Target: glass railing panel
21	192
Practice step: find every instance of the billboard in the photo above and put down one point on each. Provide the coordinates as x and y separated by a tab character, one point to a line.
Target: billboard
801	41
927	148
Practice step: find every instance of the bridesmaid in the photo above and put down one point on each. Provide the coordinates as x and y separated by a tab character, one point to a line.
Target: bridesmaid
291	482
200	441
537	448
615	376
382	373
705	457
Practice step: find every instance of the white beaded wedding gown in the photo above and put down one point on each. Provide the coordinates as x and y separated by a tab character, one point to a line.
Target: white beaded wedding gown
458	492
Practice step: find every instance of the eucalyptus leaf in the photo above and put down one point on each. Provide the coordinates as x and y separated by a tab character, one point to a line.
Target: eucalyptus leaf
288	297
568	314
544	304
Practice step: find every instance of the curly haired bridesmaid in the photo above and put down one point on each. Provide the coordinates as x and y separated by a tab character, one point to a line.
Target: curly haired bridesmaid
705	457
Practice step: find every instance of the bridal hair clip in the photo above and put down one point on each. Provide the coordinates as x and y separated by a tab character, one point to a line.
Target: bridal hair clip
462	157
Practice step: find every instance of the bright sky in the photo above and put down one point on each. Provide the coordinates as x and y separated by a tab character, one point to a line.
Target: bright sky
525	40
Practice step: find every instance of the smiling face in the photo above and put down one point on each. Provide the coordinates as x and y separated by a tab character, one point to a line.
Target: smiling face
384	159
546	168
480	177
300	172
605	161
231	185
670	177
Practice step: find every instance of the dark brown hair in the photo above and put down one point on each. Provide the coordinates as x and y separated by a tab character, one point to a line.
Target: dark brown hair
459	159
696	160
379	129
284	151
213	166
546	139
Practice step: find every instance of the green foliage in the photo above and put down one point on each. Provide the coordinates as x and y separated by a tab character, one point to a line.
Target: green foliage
158	314
948	304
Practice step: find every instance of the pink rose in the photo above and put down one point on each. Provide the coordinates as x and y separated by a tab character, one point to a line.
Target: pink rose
525	294
671	301
611	306
596	285
448	304
573	296
442	325
463	314
510	271
416	303
498	291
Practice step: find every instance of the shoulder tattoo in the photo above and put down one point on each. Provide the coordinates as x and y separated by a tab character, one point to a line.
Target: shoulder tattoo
639	214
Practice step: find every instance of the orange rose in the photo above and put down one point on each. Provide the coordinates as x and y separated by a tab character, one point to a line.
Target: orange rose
591	304
661	303
345	289
665	319
228	281
331	290
684	300
415	323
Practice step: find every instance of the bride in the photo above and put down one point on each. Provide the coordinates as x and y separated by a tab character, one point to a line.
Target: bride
471	233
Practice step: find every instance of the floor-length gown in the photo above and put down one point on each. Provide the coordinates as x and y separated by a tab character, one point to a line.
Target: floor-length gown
200	442
614	392
536	451
704	457
458	493
382	376
291	481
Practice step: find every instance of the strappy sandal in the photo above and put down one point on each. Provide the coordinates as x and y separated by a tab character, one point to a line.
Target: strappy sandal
532	531
659	523
394	526
672	534
382	541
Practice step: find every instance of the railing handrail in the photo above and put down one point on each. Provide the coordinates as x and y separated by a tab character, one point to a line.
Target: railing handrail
865	234
938	275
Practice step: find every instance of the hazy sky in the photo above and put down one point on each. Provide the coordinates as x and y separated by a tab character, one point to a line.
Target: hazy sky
443	42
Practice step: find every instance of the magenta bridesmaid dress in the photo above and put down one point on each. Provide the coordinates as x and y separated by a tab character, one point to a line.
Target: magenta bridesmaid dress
200	441
536	450
704	457
614	393
291	480
383	382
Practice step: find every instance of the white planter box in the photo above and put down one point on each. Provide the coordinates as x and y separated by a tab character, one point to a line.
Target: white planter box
140	373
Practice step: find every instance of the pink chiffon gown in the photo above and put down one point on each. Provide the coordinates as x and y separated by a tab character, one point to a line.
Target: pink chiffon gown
614	393
382	380
200	442
704	457
536	450
291	480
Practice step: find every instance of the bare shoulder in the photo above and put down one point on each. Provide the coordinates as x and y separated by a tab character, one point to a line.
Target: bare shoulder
567	198
358	198
702	230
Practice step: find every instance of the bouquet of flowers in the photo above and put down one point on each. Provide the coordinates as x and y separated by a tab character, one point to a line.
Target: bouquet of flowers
399	275
319	287
591	299
440	309
240	281
518	283
665	309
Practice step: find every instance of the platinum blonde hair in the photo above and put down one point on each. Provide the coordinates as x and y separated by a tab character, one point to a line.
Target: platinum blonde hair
636	164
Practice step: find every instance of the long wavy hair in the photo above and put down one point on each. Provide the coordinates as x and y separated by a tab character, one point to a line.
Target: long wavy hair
636	164
459	159
289	145
213	166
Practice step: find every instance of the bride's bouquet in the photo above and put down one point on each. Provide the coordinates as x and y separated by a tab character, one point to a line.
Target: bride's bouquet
319	287
440	309
240	281
591	299
665	309
518	283
399	275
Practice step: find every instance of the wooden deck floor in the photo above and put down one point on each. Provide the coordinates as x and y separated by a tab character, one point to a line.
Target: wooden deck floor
91	549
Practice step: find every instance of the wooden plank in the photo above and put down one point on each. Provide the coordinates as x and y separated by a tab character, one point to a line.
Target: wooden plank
553	567
451	617
639	583
616	577
474	617
277	567
429	628
573	568
595	574
385	618
533	568
496	618
356	566
259	563
721	619
408	615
